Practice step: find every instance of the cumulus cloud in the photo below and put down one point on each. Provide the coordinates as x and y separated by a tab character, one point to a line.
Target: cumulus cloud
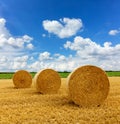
13	49
7	40
21	59
61	58
58	63
12	64
85	47
19	63
63	28
44	56
30	46
89	52
85	50
3	59
113	32
3	30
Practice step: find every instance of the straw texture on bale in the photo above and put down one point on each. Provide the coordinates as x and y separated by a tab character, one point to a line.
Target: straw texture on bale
22	79
47	81
88	86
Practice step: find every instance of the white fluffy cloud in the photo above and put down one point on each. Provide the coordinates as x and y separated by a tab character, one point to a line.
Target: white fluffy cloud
86	51
19	63
12	64
86	48
21	59
30	46
113	32
12	49
89	52
7	40
3	30
63	28
3	59
57	61
44	56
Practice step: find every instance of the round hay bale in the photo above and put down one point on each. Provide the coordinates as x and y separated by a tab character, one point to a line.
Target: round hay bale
88	86
22	79
47	81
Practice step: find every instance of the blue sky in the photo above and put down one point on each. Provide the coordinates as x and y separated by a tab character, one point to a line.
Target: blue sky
59	34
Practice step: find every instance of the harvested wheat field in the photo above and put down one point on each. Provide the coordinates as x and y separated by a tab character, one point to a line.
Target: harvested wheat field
26	106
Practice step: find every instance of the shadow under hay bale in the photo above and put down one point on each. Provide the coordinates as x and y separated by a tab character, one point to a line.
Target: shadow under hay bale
47	81
22	79
88	86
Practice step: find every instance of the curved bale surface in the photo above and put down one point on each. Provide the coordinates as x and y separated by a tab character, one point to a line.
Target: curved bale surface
22	79
88	86
47	81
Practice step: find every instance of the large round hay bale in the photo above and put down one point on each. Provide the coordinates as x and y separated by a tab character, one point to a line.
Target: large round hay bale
22	79
47	81
88	86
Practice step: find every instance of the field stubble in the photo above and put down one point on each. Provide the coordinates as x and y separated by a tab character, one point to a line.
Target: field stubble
26	106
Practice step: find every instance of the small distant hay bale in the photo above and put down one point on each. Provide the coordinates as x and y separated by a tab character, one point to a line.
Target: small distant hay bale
47	81
22	79
88	86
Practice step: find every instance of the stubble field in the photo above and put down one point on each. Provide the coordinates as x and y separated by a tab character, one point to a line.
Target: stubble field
26	106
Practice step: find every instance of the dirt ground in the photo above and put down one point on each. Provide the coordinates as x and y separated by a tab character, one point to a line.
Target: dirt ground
26	106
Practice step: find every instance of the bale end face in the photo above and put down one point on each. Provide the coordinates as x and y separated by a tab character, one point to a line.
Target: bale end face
88	86
22	79
47	81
